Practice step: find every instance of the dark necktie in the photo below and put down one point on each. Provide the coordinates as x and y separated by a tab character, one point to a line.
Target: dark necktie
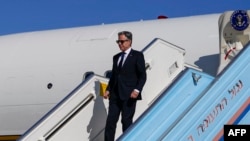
121	60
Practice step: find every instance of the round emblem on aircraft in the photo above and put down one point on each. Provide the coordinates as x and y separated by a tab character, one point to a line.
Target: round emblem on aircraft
239	20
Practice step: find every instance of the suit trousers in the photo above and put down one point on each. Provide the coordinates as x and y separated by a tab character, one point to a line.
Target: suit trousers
117	106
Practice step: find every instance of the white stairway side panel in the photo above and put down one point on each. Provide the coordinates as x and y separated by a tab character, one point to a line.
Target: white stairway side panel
79	116
76	128
164	59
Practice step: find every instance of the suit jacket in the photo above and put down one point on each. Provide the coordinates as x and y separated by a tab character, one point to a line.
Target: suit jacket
131	76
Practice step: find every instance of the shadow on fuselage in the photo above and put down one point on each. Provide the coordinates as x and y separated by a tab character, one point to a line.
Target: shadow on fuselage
209	64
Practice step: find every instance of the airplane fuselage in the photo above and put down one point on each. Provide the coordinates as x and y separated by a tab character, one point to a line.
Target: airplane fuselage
39	68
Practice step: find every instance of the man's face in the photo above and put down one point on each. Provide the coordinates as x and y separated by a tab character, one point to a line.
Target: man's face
123	42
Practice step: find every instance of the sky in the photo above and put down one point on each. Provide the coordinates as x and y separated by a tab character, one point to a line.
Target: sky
34	15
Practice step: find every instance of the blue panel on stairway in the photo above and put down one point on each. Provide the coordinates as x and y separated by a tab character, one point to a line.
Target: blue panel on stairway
170	106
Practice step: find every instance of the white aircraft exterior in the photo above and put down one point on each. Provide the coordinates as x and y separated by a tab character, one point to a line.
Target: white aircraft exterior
38	69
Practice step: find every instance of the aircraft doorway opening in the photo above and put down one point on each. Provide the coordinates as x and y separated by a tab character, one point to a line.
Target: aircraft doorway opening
86	75
108	74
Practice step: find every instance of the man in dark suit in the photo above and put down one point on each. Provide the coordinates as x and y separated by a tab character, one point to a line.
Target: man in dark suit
125	85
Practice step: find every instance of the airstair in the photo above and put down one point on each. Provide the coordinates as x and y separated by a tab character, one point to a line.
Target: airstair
82	114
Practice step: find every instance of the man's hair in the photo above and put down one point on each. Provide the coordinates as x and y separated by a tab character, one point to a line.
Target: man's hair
127	34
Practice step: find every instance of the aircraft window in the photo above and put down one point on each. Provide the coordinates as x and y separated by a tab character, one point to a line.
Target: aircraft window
108	74
49	86
87	74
